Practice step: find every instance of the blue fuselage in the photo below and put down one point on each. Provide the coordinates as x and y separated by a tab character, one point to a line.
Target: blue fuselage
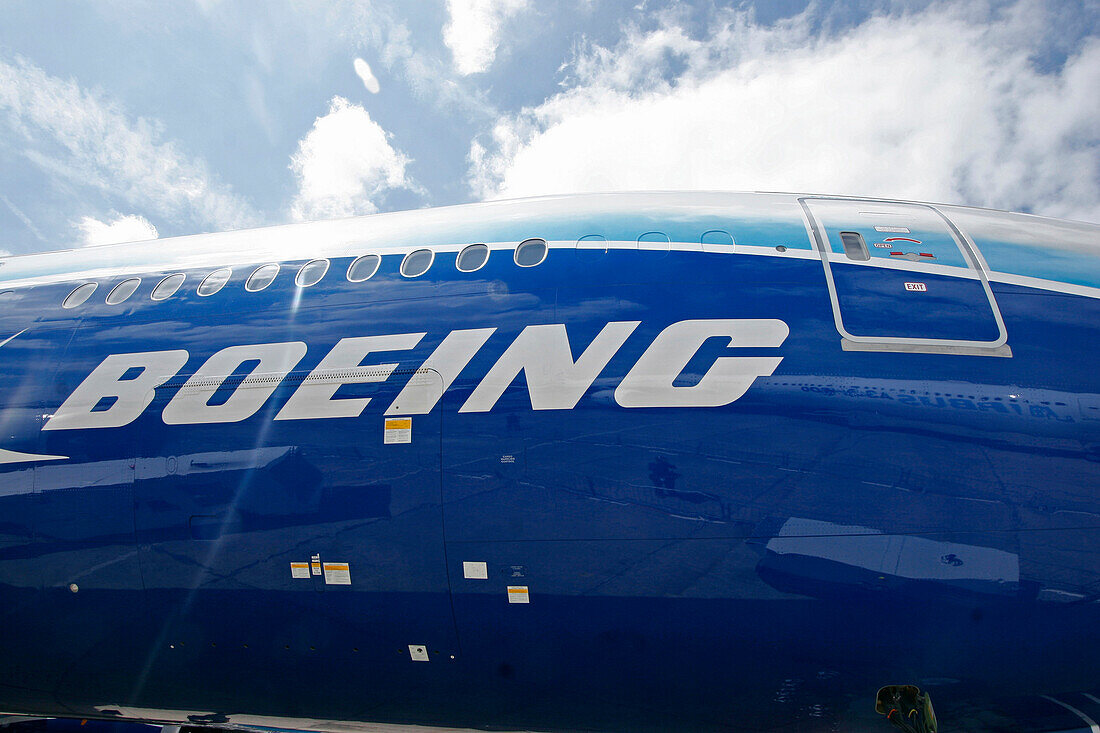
912	502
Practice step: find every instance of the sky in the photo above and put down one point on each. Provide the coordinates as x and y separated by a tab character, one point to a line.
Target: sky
122	121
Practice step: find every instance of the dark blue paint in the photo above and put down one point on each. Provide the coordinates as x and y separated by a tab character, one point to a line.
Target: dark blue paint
643	534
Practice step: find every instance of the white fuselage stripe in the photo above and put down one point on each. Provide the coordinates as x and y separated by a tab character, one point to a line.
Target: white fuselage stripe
1093	727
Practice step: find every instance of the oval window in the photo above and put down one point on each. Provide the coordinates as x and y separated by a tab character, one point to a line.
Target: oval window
214	282
718	237
472	258
311	273
123	290
531	252
167	287
79	295
261	277
417	263
363	268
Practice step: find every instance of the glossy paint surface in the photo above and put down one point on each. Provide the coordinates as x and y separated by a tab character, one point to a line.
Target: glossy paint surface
854	520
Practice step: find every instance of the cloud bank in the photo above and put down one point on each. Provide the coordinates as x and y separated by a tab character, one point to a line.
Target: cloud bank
943	105
474	29
344	163
87	140
128	228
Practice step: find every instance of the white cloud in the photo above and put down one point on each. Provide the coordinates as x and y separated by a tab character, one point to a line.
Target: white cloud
87	140
343	163
362	70
474	29
128	228
945	104
5	253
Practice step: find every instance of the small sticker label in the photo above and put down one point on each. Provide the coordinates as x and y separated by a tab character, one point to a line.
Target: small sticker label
884	245
315	564
299	569
518	594
475	570
337	573
917	287
418	652
398	430
898	230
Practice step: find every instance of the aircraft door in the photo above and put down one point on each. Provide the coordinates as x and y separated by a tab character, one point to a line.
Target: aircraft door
90	623
310	550
901	277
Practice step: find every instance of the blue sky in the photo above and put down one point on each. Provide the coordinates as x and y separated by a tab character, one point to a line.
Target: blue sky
126	120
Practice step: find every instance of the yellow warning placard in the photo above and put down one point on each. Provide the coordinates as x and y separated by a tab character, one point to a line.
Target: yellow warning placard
518	594
398	430
337	573
299	569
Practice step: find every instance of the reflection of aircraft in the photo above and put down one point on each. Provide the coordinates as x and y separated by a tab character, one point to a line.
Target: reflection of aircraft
838	560
631	461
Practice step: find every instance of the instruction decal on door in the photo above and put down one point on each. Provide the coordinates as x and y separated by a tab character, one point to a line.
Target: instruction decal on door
398	430
337	573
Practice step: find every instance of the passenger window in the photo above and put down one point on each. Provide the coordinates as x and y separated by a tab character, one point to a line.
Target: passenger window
593	241
531	252
718	237
167	287
79	296
472	258
417	263
123	290
854	246
214	282
311	273
261	277
363	268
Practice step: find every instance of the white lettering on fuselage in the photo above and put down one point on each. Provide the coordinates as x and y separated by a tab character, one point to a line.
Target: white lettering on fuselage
651	382
123	385
191	404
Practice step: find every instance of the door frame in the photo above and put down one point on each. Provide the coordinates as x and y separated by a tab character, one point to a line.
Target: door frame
850	342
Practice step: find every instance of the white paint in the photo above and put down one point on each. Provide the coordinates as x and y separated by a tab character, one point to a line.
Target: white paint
11	456
314	398
9	338
133	395
554	380
475	570
651	382
1093	726
189	405
419	396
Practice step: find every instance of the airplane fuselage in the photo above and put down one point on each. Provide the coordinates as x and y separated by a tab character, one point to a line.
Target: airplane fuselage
713	461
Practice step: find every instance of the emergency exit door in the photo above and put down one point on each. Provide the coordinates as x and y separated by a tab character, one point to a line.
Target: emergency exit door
901	276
